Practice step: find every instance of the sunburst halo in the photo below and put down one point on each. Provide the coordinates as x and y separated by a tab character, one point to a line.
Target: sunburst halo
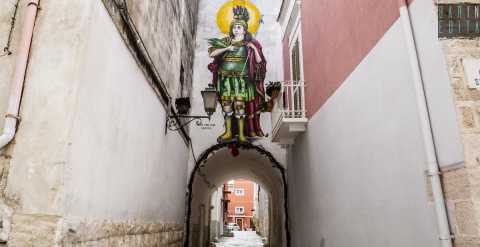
225	15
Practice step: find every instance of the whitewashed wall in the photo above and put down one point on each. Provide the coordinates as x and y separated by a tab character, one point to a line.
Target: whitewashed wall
357	175
91	157
268	35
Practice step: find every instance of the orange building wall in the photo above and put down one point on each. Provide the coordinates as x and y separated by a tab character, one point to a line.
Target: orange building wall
245	201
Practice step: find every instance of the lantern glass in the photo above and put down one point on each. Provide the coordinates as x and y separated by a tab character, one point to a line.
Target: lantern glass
209	96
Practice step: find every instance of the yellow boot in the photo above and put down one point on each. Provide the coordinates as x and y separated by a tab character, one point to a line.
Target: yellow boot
241	130
227	135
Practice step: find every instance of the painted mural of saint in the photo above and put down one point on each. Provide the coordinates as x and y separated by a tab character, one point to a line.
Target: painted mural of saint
239	69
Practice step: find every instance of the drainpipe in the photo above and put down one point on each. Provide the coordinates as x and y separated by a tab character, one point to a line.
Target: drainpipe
11	116
429	144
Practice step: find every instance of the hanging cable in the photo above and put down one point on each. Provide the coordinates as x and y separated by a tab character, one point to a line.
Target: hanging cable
135	29
193	152
143	57
6	49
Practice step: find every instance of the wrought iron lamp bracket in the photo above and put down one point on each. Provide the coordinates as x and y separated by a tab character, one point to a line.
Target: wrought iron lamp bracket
175	123
178	117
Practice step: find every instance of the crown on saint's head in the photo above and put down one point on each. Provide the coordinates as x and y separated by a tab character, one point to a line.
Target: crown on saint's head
240	16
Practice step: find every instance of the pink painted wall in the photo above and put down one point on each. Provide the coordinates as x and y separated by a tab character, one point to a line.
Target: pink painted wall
337	35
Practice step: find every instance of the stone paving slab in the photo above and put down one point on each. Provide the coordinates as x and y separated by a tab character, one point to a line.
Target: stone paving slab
241	239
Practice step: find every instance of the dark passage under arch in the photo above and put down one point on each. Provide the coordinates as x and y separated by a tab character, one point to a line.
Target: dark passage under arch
208	154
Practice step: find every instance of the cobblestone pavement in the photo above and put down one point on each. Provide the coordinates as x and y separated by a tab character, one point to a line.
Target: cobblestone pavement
241	239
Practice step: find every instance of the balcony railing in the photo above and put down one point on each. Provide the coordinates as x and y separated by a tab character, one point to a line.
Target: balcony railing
289	116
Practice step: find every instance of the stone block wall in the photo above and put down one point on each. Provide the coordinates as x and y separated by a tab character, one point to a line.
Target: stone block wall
104	233
43	230
33	230
462	186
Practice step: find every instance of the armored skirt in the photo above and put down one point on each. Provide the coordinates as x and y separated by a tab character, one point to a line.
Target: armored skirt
233	76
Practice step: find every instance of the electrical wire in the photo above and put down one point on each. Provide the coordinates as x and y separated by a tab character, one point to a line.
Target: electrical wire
6	49
193	151
144	56
140	39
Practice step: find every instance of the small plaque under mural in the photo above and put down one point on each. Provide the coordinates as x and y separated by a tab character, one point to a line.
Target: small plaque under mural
459	20
471	67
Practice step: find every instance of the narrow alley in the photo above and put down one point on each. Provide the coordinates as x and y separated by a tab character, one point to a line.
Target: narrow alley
240	123
241	239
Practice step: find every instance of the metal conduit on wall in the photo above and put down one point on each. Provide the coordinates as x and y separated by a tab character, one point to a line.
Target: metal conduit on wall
11	116
423	111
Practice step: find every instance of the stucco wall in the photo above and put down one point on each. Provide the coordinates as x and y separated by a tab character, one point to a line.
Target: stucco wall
41	145
216	219
174	23
128	174
92	159
330	54
356	176
340	36
263	213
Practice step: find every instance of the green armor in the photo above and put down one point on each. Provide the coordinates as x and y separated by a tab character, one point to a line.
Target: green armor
233	75
235	61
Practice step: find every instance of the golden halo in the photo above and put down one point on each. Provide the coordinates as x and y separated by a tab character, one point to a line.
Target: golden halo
225	15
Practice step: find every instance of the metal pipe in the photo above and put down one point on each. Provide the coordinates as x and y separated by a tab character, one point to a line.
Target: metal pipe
429	144
11	116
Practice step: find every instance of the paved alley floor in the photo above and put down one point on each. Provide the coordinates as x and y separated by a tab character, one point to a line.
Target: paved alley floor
241	239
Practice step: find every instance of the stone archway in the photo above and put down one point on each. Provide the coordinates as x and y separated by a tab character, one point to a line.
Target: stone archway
217	165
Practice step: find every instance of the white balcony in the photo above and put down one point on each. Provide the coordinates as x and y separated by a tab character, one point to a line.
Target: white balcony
288	115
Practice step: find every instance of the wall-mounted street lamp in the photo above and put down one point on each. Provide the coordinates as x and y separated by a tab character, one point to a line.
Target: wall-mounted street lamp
181	119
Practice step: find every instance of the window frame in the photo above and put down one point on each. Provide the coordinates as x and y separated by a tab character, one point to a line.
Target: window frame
239	213
298	104
240	189
296	35
231	186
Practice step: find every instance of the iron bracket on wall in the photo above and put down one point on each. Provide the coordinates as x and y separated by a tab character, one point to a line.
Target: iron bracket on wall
175	122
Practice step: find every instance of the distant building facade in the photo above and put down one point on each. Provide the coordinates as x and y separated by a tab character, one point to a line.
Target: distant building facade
241	203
